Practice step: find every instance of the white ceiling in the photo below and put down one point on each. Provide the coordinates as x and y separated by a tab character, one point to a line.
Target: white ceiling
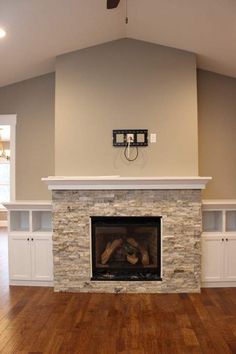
39	30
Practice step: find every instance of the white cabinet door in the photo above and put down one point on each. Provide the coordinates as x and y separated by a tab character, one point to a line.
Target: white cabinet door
19	257
41	253
212	258
230	258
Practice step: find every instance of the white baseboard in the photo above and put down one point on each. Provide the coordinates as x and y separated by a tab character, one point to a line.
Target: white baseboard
30	283
219	284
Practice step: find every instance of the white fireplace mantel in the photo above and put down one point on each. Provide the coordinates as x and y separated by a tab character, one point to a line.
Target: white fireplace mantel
117	182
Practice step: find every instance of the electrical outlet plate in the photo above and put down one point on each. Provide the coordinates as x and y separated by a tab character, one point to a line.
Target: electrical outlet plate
140	137
130	137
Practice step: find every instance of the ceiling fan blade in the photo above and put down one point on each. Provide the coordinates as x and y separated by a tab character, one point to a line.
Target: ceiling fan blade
112	4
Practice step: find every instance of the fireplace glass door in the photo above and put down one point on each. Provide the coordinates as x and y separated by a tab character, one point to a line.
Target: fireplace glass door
126	248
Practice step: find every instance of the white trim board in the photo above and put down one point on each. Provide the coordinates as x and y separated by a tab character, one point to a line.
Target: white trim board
116	182
31	283
219	284
218	204
10	119
29	204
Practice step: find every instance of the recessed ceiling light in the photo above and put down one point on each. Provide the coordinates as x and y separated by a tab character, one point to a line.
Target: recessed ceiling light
2	33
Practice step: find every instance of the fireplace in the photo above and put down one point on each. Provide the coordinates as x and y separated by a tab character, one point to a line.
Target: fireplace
172	203
126	248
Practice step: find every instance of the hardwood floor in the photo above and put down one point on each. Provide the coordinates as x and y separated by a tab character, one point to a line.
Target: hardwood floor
36	320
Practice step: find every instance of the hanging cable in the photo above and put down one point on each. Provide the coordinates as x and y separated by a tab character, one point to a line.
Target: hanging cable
126	12
127	152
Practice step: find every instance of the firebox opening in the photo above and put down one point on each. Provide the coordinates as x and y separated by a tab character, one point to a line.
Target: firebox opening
126	248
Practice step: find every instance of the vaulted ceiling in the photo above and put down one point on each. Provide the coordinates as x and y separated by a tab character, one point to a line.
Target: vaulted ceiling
39	30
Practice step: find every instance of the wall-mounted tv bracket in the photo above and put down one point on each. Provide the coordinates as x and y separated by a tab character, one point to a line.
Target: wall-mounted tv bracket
139	137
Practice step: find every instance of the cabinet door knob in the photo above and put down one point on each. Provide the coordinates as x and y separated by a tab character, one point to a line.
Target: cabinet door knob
32	239
222	240
27	239
227	240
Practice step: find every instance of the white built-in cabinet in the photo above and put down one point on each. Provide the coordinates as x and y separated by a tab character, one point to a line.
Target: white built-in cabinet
30	243
219	243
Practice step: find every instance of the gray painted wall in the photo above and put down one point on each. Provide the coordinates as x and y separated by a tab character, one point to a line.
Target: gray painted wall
126	84
217	133
34	103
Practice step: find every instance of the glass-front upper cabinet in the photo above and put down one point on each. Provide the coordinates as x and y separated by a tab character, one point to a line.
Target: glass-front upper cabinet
212	221
230	221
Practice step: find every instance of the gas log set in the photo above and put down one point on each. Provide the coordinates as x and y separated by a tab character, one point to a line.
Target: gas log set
128	250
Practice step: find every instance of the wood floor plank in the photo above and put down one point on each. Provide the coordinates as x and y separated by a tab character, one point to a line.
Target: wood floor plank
39	321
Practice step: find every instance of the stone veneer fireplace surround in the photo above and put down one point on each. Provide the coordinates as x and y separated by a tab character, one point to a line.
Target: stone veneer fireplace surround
176	200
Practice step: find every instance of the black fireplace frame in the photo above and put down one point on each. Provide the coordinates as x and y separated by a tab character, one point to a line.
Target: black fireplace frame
145	274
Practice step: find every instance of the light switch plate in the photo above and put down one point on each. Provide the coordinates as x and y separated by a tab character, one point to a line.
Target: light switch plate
153	138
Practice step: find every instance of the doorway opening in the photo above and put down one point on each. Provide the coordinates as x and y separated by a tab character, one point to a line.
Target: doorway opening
7	185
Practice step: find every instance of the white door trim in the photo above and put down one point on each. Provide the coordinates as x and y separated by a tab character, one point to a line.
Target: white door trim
10	119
